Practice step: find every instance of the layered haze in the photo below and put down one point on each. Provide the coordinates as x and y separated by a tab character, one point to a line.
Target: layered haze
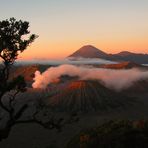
114	79
73	61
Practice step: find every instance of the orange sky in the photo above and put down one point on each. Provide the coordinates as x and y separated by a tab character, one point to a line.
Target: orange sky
61	49
64	26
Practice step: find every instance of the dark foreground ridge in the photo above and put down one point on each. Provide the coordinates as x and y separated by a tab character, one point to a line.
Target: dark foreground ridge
113	134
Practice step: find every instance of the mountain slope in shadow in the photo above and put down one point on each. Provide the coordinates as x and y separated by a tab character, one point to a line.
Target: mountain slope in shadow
86	96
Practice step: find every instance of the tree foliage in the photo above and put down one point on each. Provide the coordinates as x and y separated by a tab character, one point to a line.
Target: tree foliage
14	39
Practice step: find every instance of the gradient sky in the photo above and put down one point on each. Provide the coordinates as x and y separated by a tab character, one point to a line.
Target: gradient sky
64	26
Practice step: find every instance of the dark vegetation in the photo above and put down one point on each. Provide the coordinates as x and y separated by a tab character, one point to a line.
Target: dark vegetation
113	134
12	42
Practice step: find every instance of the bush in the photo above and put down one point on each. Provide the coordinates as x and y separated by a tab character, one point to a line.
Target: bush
113	134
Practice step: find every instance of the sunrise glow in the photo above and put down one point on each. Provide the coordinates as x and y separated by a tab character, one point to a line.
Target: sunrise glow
64	26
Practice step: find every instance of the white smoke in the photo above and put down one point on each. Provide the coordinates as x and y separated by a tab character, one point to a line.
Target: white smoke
115	79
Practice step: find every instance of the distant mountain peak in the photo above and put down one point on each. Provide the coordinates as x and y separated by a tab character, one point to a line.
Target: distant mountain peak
125	53
89	51
90	46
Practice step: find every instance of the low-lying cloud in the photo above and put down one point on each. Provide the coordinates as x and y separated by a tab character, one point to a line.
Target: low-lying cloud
115	79
73	61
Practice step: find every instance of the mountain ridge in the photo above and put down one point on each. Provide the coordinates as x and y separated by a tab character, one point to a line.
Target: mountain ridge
89	51
87	96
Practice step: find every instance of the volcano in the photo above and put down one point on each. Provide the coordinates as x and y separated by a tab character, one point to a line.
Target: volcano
89	51
85	96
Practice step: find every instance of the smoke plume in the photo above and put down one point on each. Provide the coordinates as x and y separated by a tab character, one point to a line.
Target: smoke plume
115	79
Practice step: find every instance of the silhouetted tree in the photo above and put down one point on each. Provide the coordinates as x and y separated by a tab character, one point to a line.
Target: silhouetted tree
14	39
